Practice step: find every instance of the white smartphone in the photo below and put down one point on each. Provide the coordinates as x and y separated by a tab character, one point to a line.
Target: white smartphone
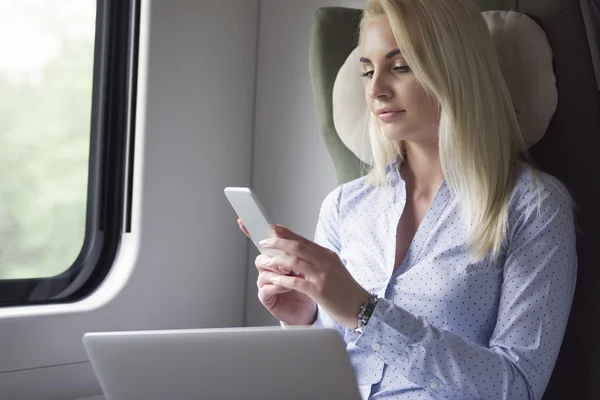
253	215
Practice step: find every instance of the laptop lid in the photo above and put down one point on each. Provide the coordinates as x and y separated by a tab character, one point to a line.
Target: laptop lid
230	363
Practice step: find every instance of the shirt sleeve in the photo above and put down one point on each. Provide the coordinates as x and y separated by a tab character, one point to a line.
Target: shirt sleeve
538	284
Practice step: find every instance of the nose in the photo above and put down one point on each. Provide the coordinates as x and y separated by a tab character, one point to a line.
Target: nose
378	88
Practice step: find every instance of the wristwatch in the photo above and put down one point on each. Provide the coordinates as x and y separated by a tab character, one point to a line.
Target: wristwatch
366	310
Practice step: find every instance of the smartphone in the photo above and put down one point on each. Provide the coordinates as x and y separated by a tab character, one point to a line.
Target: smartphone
253	215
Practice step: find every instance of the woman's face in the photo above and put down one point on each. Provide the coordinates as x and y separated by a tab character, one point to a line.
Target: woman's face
396	99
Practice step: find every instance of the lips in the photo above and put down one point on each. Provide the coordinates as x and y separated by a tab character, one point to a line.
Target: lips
389	115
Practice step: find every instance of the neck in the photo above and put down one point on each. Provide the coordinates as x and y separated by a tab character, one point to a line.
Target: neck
421	169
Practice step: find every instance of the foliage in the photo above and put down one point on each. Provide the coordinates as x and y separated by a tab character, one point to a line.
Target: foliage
46	67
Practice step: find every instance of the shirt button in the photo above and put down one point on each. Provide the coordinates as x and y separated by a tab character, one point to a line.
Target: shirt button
376	346
433	385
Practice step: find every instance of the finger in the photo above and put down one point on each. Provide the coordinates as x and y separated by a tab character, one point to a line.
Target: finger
267	294
264	278
293	283
243	228
286	233
292	264
294	248
264	263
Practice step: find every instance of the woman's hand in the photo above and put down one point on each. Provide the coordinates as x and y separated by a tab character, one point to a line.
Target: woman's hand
287	305
322	275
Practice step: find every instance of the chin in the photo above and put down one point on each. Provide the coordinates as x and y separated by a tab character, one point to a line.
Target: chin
395	134
415	134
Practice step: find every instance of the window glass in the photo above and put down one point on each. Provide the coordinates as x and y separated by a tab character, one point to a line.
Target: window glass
46	77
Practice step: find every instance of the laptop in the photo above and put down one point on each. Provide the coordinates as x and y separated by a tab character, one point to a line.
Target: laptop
230	363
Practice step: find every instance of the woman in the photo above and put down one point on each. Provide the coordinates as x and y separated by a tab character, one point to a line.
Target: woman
449	270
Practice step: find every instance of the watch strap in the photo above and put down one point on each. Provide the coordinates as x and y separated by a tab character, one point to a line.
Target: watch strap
366	311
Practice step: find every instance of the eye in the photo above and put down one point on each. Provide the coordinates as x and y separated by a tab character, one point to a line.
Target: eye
402	69
367	74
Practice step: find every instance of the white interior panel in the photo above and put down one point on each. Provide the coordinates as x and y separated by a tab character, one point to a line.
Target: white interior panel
192	265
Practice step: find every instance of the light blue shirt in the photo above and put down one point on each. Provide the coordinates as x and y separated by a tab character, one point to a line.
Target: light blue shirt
446	328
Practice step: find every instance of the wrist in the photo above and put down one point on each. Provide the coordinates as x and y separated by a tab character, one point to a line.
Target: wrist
309	319
357	307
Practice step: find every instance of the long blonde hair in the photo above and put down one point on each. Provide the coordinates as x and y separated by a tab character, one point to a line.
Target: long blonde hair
450	51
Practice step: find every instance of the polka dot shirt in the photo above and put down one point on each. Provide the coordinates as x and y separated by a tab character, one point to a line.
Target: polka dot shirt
444	327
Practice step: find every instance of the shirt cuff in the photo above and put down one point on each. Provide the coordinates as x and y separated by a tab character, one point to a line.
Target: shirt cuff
388	331
317	324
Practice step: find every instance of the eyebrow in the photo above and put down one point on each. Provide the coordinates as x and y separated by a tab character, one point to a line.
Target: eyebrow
388	56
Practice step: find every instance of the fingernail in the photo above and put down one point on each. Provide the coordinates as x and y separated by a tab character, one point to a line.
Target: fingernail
285	271
265	242
275	279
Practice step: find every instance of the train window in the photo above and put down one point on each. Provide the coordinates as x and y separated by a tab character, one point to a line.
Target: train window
67	105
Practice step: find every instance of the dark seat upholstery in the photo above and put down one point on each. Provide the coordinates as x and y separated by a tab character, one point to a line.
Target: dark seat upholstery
569	150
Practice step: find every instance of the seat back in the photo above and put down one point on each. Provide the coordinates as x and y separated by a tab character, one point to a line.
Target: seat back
567	151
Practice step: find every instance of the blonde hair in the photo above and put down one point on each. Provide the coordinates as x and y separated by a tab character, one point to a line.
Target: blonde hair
451	53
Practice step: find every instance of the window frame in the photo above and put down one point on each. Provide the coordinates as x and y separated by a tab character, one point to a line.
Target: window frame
111	156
